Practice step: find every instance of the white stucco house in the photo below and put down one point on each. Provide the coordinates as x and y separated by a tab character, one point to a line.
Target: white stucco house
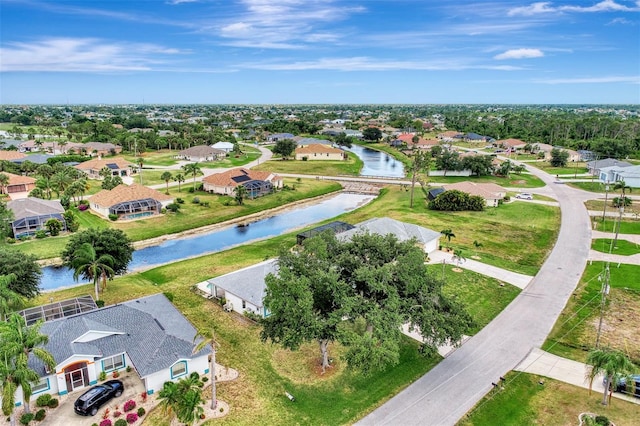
223	146
630	175
148	334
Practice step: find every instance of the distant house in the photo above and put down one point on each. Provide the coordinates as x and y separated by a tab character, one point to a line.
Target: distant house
450	136
148	335
429	240
223	146
11	155
33	158
256	182
595	166
319	152
201	153
102	148
19	186
118	166
275	137
28	146
630	175
301	142
474	137
244	290
31	214
511	144
491	192
129	201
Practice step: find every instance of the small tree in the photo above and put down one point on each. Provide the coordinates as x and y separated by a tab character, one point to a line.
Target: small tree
240	192
613	364
284	148
477	244
54	226
559	157
448	233
372	134
166	177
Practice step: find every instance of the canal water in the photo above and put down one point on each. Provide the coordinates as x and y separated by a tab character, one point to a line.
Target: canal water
183	248
377	163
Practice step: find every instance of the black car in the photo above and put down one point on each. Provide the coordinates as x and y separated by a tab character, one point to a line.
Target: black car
90	401
634	389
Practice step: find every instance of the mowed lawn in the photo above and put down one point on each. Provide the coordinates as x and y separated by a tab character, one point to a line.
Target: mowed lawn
523	180
621	247
574	334
350	167
524	401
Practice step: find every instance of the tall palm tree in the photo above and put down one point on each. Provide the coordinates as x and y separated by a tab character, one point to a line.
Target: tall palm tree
613	364
87	263
20	340
168	397
61	181
9	386
9	299
140	163
421	161
623	187
194	170
4	182
166	177
179	178
208	339
449	234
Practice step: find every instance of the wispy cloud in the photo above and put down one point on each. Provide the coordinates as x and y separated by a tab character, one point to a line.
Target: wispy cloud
547	7
520	54
286	24
175	2
364	63
593	80
621	21
82	55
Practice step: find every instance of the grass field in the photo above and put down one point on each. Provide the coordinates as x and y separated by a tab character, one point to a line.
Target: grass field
627	226
575	331
518	181
349	167
589	186
621	247
569	171
523	401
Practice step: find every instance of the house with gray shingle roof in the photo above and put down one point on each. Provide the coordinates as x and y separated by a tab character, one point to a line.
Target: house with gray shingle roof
201	153
30	215
148	334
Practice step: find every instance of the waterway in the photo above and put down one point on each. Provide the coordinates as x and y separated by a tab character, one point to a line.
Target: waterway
210	242
377	163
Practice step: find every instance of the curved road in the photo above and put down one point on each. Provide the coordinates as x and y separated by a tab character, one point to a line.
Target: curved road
457	383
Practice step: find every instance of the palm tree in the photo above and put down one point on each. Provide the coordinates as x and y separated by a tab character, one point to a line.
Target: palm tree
194	170
61	181
20	340
4	182
86	262
623	187
9	299
9	387
449	234
477	244
140	163
209	340
240	194
166	177
168	397
179	178
421	161
458	257
613	364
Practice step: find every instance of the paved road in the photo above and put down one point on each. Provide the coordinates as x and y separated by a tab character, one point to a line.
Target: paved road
456	384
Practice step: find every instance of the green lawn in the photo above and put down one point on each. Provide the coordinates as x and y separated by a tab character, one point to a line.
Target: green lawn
575	331
518	181
350	167
568	171
163	157
594	186
627	226
622	247
524	401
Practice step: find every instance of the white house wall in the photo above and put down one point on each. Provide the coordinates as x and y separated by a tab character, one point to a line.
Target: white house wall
155	381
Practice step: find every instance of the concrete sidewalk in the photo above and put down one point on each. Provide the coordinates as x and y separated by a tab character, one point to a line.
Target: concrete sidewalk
565	370
634	238
514	278
599	256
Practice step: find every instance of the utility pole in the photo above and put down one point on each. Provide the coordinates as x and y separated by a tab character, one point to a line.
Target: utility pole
605	291
604	210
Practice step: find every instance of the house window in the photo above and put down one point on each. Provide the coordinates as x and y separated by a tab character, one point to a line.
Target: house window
179	369
113	363
244	304
41	386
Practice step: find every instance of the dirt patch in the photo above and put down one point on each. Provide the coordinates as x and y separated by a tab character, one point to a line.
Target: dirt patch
518	182
456	270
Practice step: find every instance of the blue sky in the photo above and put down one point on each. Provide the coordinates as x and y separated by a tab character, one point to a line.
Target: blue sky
319	51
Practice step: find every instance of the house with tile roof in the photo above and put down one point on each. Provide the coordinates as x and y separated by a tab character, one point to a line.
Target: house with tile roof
511	144
256	182
31	214
316	151
117	165
148	334
491	192
19	186
101	148
201	153
129	202
11	155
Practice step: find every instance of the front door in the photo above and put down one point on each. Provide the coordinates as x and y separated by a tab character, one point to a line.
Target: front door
76	376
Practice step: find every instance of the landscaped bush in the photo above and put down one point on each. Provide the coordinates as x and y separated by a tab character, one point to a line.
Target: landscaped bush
40	415
174	207
106	422
121	422
141	411
83	207
113	217
117	413
132	418
53	403
602	420
11	240
41	234
129	405
43	400
100	303
179	200
196	200
455	201
128	369
83	203
26	418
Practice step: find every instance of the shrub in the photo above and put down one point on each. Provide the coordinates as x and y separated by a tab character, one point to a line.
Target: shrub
83	207
128	369
191	190
196	200
205	379
129	405
141	412
602	420
204	204
132	418
43	400
179	200
53	403
144	396
100	303
102	376
113	217
40	415
121	422
106	422
11	240
26	418
41	234
83	203
105	415
173	207
117	413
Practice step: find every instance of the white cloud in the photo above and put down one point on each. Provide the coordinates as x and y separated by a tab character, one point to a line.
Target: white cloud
593	80
175	2
520	54
546	7
82	55
364	63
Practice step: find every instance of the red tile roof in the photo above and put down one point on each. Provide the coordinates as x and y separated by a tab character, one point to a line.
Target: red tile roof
122	193
226	178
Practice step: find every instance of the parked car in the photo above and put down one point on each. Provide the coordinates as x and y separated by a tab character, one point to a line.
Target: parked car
622	386
525	196
90	401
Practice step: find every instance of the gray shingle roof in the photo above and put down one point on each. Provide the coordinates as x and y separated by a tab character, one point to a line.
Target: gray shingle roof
29	207
383	226
248	283
150	330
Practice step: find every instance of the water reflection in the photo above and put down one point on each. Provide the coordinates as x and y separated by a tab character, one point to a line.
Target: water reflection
377	163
